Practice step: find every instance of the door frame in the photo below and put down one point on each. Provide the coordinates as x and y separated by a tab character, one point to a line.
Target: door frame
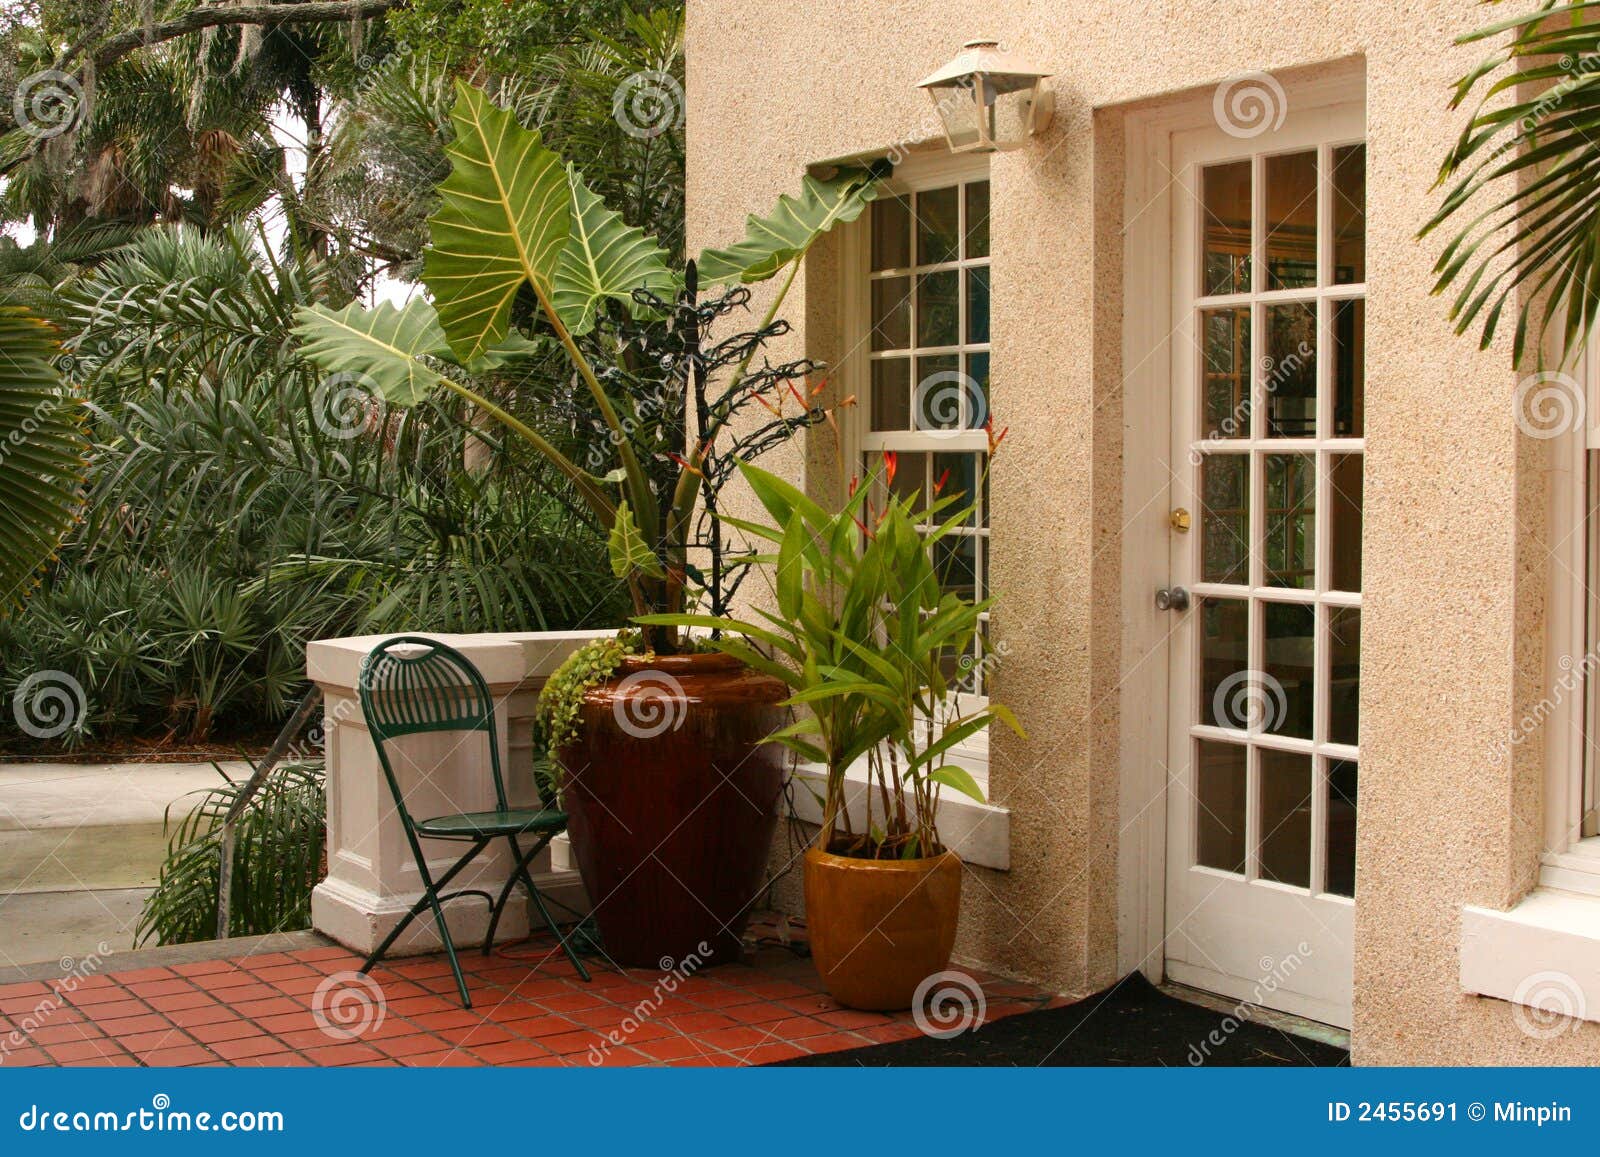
1147	373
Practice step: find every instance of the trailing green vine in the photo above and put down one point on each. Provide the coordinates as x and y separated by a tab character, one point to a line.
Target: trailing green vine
561	698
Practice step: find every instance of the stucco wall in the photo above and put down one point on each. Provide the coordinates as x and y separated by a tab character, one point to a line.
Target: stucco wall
1453	607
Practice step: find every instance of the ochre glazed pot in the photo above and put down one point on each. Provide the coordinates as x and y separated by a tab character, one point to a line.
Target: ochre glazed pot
879	928
672	799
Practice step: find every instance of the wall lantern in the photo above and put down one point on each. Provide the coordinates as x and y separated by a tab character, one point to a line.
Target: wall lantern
989	99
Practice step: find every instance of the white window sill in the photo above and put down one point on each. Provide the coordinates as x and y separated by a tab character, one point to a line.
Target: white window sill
979	833
1575	870
1544	953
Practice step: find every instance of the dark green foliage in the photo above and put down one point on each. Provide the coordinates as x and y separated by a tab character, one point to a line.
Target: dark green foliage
230	519
240	502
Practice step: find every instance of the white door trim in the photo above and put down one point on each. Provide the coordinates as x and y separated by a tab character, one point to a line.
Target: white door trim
1146	536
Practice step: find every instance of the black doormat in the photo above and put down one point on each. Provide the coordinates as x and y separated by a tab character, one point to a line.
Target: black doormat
1130	1023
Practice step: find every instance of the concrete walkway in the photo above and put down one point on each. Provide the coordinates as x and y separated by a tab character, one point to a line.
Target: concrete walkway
80	848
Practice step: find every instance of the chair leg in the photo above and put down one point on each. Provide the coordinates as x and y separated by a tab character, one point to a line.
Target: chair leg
394	933
505	892
431	898
450	949
538	902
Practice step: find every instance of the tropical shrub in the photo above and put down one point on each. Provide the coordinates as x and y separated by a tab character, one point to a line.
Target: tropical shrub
279	849
238	506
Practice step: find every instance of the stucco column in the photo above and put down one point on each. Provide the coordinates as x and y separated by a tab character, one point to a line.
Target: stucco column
372	879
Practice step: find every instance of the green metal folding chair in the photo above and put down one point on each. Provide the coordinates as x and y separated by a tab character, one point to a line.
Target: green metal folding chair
411	684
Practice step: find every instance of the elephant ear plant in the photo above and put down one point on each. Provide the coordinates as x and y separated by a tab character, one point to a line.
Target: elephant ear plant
860	634
515	221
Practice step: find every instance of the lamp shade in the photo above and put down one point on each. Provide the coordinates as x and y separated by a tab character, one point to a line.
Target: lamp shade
988	98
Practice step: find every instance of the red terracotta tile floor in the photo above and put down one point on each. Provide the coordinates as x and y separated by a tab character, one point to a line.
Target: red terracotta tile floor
305	1007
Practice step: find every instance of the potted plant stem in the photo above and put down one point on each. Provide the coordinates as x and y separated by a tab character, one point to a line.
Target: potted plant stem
656	826
860	634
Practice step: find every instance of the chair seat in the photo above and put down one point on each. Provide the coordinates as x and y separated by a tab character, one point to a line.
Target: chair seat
473	825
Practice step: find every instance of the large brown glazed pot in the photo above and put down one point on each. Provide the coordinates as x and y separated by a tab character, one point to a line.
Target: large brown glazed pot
879	928
672	800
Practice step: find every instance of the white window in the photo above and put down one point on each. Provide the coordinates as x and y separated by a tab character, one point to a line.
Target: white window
914	312
1564	406
920	263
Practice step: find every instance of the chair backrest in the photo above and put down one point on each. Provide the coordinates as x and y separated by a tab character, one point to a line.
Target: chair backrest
410	684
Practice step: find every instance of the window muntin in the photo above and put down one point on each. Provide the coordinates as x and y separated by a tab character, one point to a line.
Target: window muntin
929	323
1277	461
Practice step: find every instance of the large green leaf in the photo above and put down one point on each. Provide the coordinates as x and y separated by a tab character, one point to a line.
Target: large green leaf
771	243
628	549
41	453
379	345
502	221
604	257
960	779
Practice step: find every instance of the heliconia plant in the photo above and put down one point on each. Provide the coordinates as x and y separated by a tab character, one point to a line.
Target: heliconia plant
860	630
515	218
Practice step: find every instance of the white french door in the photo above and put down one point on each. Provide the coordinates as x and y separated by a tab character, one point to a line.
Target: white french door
1267	403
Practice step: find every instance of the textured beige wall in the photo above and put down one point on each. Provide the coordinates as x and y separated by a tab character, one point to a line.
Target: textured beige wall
1453	587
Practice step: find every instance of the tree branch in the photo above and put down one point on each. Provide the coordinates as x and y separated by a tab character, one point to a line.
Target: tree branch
114	48
269	15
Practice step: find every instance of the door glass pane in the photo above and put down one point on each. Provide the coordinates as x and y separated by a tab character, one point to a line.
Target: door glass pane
1292	221
1344	521
978	219
891	313
938	226
978	305
1285	823
1349	368
1290	371
891	394
1224	657
1289	690
1275	465
1225	337
891	233
1225	227
1291	530
1350	214
1219	805
1341	833
1344	674
1225	518
939	308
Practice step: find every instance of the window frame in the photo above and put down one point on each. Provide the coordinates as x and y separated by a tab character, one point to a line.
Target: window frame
915	173
1570	696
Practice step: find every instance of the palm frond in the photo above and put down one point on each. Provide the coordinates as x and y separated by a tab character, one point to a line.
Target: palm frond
42	452
278	858
1522	183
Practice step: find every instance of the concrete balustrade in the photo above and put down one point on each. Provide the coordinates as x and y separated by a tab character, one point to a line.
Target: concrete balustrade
372	879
